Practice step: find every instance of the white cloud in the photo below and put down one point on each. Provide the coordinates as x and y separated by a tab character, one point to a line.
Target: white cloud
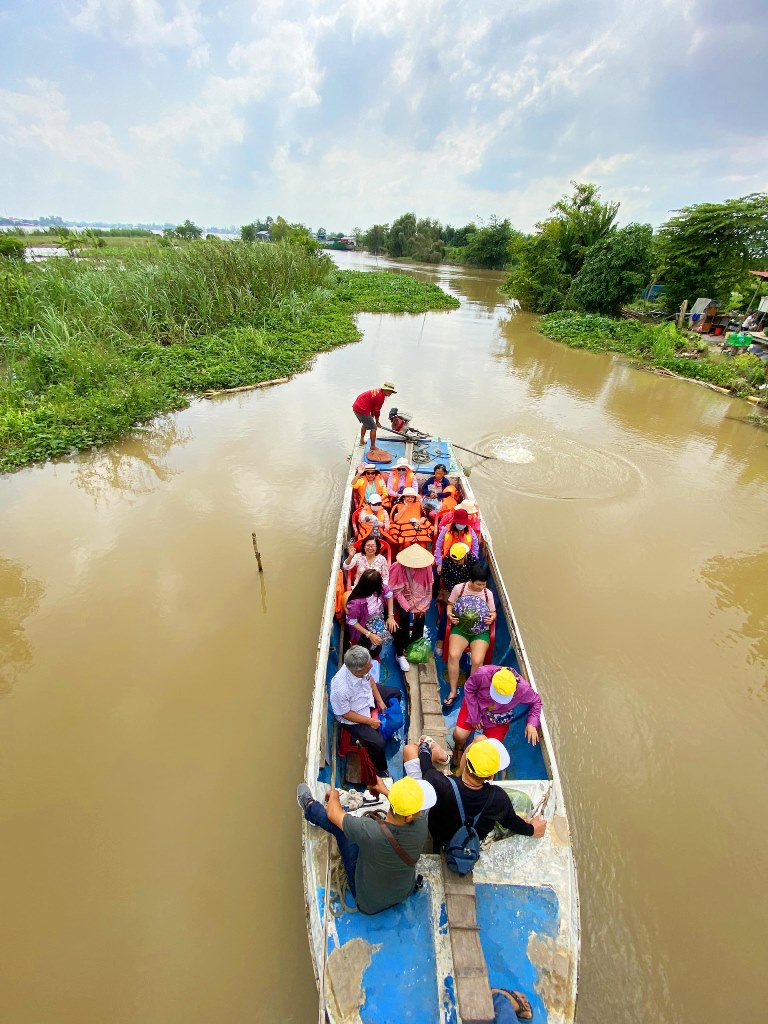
199	58
142	23
603	166
40	119
281	64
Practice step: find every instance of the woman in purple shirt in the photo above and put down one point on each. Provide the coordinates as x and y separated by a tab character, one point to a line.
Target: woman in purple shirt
365	613
491	696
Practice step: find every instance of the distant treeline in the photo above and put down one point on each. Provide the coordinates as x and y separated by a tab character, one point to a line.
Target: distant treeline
429	241
62	229
578	258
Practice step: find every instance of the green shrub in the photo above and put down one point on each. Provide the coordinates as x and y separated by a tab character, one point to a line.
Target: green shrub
11	248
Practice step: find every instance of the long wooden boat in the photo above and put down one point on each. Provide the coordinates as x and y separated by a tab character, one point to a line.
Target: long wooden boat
514	922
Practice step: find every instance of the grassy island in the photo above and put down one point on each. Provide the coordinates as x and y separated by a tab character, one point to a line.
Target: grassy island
91	347
657	345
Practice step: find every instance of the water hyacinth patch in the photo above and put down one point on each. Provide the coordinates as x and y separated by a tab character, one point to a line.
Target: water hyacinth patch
90	348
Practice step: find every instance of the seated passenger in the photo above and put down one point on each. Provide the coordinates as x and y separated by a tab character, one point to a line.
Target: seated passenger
457	532
372	518
408	507
400	477
492	695
354	695
368	557
378	876
473	513
368	482
455	569
410	581
408	524
479	763
432	487
471	610
365	613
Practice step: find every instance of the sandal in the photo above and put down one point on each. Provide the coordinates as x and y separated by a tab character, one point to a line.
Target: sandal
449	702
520	1004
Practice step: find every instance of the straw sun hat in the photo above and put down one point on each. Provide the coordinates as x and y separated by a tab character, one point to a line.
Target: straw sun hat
415	557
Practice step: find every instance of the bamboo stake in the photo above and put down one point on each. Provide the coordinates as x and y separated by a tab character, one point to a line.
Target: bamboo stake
246	387
257	552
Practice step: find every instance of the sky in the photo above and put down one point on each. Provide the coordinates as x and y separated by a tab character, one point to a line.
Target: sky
344	114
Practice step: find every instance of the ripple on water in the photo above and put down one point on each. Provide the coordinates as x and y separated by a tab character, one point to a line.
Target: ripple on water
558	468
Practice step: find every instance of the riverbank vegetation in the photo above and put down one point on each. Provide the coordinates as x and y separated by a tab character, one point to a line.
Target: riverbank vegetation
91	347
660	345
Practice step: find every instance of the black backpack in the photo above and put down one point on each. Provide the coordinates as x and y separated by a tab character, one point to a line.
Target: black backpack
462	850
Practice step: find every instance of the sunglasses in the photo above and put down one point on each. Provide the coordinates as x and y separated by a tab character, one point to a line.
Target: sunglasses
370	472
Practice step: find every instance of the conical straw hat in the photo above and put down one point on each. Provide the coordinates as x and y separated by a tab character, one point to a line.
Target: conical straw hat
415	557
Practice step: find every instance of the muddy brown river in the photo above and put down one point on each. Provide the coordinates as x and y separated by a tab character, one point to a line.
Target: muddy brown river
154	692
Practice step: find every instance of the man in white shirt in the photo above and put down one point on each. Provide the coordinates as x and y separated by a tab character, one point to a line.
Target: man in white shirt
354	694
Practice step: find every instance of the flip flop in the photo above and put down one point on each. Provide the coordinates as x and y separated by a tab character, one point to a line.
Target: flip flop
519	1003
449	702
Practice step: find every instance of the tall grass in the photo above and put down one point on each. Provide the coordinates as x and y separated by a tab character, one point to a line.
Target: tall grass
89	348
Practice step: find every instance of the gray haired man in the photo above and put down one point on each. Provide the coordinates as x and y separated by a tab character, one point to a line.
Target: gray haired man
354	694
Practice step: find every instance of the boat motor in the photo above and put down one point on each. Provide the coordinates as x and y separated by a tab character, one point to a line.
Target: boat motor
399	420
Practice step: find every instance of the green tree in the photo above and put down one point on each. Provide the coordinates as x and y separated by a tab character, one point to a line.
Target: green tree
248	233
615	270
281	231
579	221
488	246
375	238
400	237
537	278
706	249
188	230
545	265
426	244
458	237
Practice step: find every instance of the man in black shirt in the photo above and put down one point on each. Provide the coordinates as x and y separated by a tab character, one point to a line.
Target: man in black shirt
479	763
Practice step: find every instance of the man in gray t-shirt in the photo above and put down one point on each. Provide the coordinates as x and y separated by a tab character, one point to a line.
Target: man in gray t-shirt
379	857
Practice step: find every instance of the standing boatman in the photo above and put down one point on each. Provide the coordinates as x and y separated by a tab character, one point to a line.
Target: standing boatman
367	407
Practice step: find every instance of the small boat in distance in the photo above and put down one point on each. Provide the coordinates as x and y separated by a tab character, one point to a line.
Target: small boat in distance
513	923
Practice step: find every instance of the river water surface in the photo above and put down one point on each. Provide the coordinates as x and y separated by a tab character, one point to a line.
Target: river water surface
154	693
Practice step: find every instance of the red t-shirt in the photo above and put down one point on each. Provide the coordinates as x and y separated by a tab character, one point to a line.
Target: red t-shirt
369	403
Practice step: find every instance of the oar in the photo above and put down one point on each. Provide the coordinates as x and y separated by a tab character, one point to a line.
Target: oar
415	440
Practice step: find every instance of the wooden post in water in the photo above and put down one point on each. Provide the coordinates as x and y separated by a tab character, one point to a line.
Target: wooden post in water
257	552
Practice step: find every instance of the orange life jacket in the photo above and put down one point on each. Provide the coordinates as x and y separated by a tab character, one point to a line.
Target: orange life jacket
397	484
365	526
405	533
339	609
451	538
405	510
450	501
361	483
